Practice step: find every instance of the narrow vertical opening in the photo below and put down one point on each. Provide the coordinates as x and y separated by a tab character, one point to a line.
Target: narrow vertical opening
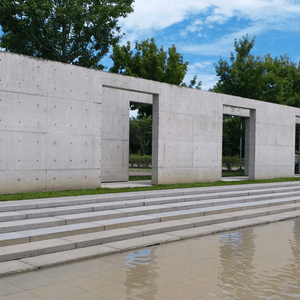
233	146
140	142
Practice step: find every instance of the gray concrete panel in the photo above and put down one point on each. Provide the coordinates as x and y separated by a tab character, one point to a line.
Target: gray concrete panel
73	179
236	111
73	152
74	117
23	74
23	151
63	127
29	113
51	119
68	82
19	181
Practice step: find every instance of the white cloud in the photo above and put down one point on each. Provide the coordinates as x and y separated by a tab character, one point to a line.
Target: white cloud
205	71
205	27
216	18
156	15
222	45
195	26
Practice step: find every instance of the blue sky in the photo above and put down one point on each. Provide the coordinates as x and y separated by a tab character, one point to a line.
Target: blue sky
204	30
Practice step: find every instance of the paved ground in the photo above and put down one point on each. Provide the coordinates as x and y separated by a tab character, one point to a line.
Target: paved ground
113	185
260	262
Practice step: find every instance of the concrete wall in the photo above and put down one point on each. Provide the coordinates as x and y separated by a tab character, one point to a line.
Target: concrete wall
63	127
50	128
190	136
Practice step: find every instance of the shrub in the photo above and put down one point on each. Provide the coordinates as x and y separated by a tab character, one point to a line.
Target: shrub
230	161
140	161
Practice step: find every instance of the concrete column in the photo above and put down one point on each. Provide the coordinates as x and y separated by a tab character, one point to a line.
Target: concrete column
252	144
155	134
247	127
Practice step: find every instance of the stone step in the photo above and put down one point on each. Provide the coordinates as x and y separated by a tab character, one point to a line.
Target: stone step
56	251
60	220
13	206
148	208
43	232
26	236
240	196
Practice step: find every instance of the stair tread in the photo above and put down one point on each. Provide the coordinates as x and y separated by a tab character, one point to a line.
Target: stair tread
102	198
42	232
121	218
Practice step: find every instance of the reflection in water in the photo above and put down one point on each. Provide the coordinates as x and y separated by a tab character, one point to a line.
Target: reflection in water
244	277
236	252
142	261
286	283
255	263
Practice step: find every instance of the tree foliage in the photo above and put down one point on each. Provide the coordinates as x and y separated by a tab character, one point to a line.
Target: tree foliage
264	78
71	31
193	83
232	133
141	135
148	61
241	76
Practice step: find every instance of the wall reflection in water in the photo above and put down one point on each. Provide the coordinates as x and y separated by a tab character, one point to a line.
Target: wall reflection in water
143	261
261	262
236	252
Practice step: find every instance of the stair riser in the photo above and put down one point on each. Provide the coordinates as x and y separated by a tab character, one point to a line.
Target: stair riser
64	234
209	194
121	237
12	228
31	253
153	218
21	216
105	240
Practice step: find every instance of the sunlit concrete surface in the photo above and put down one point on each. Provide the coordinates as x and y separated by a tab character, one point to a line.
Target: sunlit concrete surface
115	185
66	127
235	178
261	262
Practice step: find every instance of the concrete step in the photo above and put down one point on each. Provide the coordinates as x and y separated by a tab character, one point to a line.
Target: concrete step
156	205
129	238
43	232
13	206
240	196
26	236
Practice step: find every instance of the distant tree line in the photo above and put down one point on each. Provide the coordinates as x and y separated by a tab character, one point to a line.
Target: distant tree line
81	32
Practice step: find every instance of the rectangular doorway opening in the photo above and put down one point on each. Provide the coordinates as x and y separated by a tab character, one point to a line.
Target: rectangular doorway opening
140	142
235	143
233	146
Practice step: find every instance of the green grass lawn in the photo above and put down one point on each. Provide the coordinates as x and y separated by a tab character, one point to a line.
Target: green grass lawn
36	195
232	173
139	178
140	170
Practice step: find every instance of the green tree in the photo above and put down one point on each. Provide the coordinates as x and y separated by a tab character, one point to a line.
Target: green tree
141	135
242	76
193	83
231	135
264	78
71	31
148	61
281	81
